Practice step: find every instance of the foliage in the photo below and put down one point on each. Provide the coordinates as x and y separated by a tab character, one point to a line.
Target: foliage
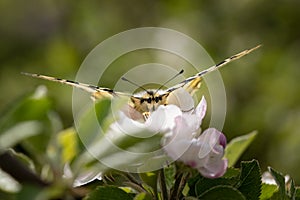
237	146
42	173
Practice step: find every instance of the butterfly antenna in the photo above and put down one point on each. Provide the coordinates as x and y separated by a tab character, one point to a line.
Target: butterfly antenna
135	84
181	71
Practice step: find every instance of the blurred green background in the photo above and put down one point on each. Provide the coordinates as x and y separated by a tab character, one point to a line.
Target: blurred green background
53	38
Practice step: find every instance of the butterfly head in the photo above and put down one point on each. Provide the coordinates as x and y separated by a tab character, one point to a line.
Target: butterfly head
149	100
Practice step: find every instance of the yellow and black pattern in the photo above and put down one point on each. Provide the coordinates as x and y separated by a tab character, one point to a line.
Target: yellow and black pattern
147	101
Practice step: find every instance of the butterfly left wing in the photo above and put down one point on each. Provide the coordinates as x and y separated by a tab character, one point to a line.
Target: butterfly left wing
95	91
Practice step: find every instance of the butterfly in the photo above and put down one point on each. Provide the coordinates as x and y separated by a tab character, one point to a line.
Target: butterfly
147	101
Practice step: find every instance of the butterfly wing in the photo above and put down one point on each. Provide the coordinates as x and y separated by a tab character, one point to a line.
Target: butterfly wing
193	83
95	91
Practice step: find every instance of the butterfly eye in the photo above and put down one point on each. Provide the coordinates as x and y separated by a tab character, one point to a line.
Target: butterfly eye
149	100
157	99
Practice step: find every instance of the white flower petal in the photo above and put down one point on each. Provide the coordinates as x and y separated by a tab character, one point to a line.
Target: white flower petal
182	130
68	174
87	177
126	125
179	141
194	119
267	178
176	149
200	110
181	98
163	119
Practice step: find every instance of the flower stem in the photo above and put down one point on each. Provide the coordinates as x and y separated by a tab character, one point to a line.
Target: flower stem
163	185
174	193
180	181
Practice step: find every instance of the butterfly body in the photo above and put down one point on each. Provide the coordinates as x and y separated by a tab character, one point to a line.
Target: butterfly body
147	101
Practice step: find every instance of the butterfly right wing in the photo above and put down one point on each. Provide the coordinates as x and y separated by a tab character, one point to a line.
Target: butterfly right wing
193	86
193	83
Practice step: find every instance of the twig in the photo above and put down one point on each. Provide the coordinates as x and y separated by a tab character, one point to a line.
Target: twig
19	171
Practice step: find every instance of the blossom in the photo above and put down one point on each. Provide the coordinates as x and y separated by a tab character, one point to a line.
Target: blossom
204	153
267	178
179	125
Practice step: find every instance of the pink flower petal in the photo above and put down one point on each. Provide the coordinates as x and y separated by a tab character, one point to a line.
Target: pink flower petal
209	138
217	171
222	140
179	141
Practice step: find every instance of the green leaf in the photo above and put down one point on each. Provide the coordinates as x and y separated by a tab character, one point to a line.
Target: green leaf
153	162
250	180
190	198
222	193
292	190
186	190
23	158
7	196
150	178
199	184
267	191
93	124
297	193
90	123
204	184
170	172
19	132
143	196
67	140
29	192
31	108
280	181
192	184
231	173
237	146
108	192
